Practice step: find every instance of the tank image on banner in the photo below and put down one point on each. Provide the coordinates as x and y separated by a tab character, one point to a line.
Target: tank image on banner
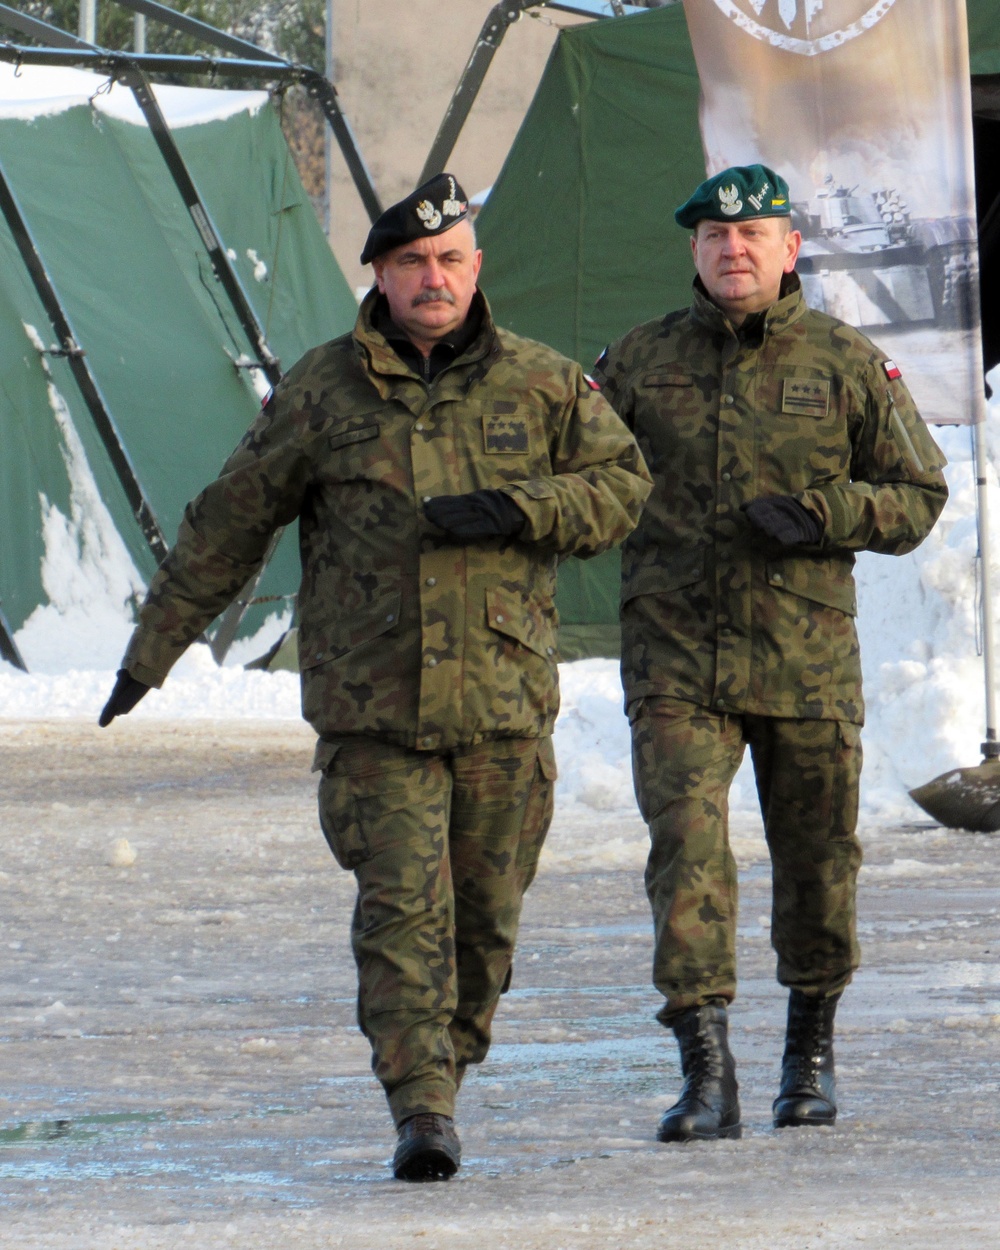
866	109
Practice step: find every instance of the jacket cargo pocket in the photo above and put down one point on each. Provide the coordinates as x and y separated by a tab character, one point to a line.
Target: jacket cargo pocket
506	434
337	637
677	570
827	581
524	619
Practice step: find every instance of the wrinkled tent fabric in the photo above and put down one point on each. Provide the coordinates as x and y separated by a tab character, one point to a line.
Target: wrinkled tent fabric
160	336
578	236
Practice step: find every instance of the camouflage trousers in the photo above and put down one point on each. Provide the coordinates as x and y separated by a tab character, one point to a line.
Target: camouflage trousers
807	772
443	847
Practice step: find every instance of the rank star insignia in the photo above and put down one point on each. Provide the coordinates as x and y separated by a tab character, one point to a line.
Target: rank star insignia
892	370
806	398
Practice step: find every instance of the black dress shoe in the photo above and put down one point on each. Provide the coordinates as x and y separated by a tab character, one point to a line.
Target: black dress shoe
428	1148
709	1105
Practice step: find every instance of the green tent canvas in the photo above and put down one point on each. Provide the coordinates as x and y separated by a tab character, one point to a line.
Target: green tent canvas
134	279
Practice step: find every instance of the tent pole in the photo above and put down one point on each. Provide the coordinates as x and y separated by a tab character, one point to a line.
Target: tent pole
88	21
8	647
131	75
499	19
138	84
319	88
85	380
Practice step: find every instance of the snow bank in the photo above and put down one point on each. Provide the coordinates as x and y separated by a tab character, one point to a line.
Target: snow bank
923	676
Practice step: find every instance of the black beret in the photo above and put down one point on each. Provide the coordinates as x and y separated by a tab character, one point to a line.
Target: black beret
740	192
432	209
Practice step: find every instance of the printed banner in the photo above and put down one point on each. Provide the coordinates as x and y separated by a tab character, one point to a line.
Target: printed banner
865	108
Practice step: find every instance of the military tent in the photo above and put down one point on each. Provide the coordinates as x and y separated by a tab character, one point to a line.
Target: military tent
578	234
169	356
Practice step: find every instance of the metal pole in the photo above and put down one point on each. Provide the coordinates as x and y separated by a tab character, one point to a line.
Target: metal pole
991	747
8	647
69	347
328	134
139	38
88	21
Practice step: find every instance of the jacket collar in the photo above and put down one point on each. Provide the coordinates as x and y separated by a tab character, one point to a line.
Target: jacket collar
784	312
374	348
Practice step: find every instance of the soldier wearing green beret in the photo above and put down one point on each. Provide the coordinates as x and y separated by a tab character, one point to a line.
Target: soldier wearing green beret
781	441
439	468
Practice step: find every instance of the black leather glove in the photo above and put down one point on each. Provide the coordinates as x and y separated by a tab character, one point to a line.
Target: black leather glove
480	514
124	697
783	518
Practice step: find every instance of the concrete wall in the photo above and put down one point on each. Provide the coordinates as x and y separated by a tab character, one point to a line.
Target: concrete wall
397	63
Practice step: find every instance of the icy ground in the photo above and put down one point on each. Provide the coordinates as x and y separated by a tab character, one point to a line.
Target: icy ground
182	1067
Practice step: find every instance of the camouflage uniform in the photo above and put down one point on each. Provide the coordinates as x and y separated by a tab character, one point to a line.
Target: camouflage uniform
730	638
429	668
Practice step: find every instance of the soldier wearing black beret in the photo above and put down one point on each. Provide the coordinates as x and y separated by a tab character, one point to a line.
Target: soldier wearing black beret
439	467
781	442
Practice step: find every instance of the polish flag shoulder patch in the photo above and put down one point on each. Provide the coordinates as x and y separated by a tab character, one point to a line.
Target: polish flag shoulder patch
594	386
892	370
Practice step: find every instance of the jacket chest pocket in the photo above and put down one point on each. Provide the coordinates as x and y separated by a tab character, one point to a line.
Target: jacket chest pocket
354	449
672	412
799	397
506	434
514	443
803	428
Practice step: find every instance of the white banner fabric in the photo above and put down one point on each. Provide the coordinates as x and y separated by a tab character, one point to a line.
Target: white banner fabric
865	108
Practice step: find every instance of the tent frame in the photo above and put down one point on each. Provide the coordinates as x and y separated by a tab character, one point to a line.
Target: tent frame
498	21
243	59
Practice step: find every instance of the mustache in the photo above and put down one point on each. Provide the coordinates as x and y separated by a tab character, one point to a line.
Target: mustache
444	296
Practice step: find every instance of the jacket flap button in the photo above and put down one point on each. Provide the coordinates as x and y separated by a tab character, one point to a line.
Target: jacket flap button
499	618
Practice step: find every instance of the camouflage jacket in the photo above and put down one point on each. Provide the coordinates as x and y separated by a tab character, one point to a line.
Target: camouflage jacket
403	634
795	403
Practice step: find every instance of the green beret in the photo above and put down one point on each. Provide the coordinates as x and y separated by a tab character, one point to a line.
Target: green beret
433	208
738	193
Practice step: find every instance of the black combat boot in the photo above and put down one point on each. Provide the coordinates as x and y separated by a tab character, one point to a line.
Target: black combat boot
428	1148
709	1104
808	1086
